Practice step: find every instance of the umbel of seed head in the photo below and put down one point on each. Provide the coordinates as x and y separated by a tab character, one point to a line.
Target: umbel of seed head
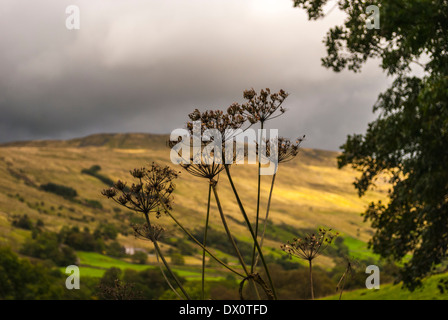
263	106
152	192
109	193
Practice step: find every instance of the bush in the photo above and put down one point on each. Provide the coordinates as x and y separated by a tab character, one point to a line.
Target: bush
64	191
22	280
139	257
78	240
46	246
106	231
140	281
23	222
94	172
295	284
116	250
177	259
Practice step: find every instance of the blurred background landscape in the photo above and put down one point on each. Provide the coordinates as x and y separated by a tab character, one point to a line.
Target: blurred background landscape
80	108
51	197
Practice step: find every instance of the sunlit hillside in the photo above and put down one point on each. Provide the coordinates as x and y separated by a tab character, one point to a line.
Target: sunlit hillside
310	191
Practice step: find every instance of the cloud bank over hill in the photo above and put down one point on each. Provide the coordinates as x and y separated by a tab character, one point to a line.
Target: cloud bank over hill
143	65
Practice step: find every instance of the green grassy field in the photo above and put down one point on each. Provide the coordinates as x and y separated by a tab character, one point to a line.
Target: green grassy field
92	264
429	291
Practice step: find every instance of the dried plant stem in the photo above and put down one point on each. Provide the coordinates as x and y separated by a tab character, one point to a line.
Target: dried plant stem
205	240
246	219
204	248
265	224
229	234
311	279
258	202
343	284
166	278
157	248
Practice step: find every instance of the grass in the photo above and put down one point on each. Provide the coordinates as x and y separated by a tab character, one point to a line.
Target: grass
93	259
94	264
359	250
428	291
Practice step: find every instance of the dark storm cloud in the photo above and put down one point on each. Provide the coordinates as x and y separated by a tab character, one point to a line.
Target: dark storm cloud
142	66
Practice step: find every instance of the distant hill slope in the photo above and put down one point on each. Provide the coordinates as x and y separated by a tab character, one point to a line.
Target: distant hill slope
112	140
310	191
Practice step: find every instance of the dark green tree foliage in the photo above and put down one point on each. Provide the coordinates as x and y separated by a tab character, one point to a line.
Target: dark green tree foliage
140	257
94	172
408	143
294	284
147	284
23	222
46	246
81	240
19	279
106	231
140	281
115	249
64	191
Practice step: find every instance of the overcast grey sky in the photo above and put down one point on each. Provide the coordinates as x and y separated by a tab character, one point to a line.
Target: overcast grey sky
143	65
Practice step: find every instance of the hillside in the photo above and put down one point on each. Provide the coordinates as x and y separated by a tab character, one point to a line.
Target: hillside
310	191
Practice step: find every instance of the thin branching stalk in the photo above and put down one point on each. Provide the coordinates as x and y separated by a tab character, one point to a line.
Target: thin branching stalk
311	279
347	273
246	219
229	234
166	278
343	284
309	248
204	248
258	203
205	240
265	224
157	248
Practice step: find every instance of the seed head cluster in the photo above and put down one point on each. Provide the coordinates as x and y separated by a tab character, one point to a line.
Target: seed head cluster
152	191
310	246
263	106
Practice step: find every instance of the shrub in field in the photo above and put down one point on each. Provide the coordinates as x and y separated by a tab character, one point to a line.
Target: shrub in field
46	246
64	191
23	222
140	257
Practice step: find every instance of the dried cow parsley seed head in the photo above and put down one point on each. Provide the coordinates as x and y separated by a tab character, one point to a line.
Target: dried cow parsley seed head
224	122
120	185
109	193
310	246
138	173
142	231
282	149
263	106
151	193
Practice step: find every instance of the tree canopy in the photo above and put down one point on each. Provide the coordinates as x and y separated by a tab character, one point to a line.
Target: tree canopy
408	142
